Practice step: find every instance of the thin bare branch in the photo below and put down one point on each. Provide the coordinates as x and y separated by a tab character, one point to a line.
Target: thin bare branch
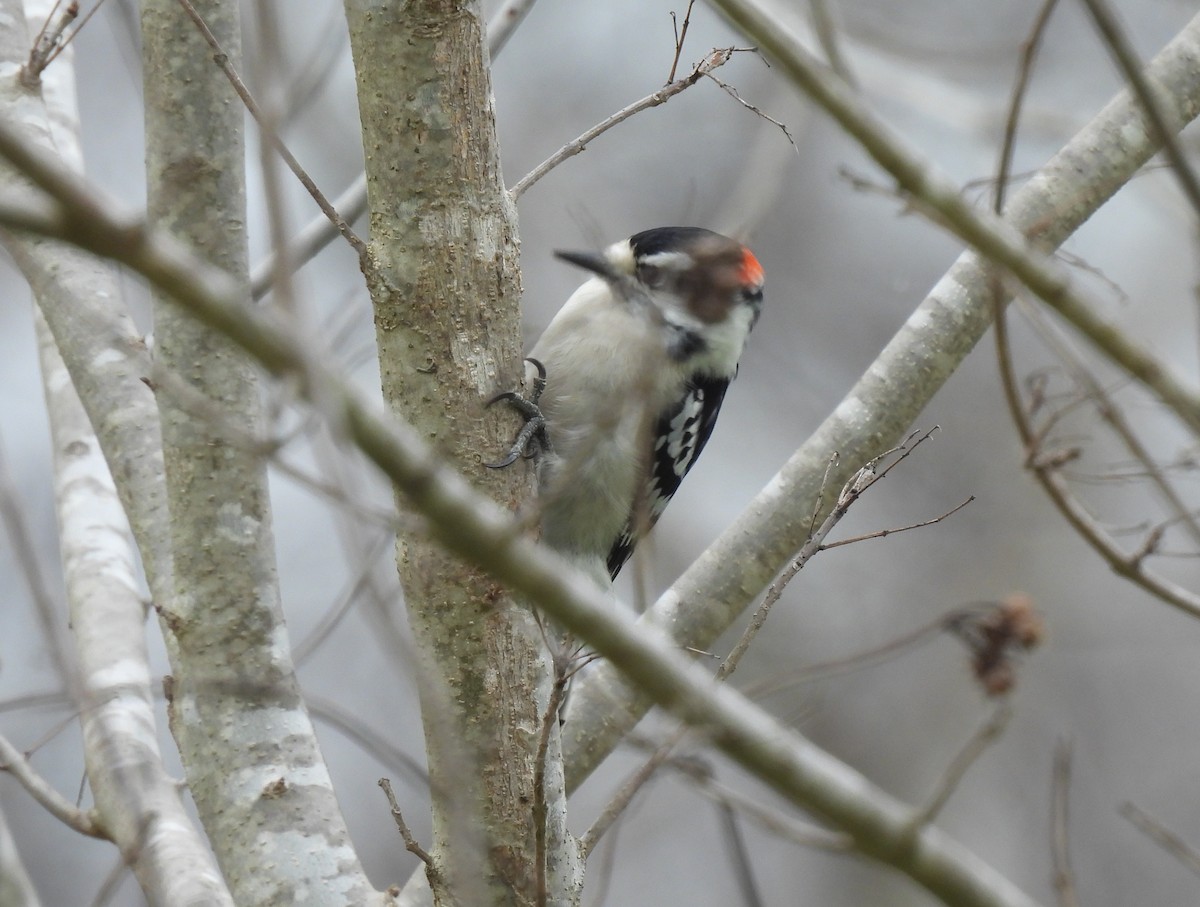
975	747
265	65
410	842
1172	843
891	649
37	701
1060	826
111	883
352	203
550	721
757	111
313	237
884	533
1046	470
50	610
620	801
333	616
851	492
367	738
826	28
15	882
714	60
1029	51
1113	416
14	762
743	869
48	42
769	820
271	136
993	631
1122	50
504	23
680	37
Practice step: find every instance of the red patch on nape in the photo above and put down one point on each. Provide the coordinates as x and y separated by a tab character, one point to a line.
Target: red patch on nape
751	273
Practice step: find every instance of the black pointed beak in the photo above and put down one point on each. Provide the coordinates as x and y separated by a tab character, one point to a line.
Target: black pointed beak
589	261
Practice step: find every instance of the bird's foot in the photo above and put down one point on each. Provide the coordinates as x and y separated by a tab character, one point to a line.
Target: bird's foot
532	440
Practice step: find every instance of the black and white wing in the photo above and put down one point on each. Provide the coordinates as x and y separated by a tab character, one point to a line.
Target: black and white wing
679	437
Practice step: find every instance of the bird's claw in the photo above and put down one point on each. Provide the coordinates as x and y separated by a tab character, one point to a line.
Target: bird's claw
534	429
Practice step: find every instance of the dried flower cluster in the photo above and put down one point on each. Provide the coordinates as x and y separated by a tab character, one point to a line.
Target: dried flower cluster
995	634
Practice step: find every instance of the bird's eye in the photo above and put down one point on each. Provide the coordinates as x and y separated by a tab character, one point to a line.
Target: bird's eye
651	276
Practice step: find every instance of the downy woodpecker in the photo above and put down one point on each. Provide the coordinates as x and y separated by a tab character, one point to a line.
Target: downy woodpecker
627	381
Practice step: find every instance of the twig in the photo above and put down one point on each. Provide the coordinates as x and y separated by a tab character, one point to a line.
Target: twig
333	616
851	492
60	699
732	92
884	533
1107	409
859	482
222	60
713	61
321	231
993	631
1060	827
344	470
975	747
846	499
410	843
50	610
237	436
48	43
550	720
332	492
1163	837
504	23
680	37
1122	50
265	65
827	35
111	883
600	880
620	801
14	762
313	237
366	738
743	869
54	730
1029	51
39	38
770	821
819	502
1111	413
1046	472
79	26
876	655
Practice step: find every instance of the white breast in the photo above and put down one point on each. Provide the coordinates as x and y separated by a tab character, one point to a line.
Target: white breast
607	378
